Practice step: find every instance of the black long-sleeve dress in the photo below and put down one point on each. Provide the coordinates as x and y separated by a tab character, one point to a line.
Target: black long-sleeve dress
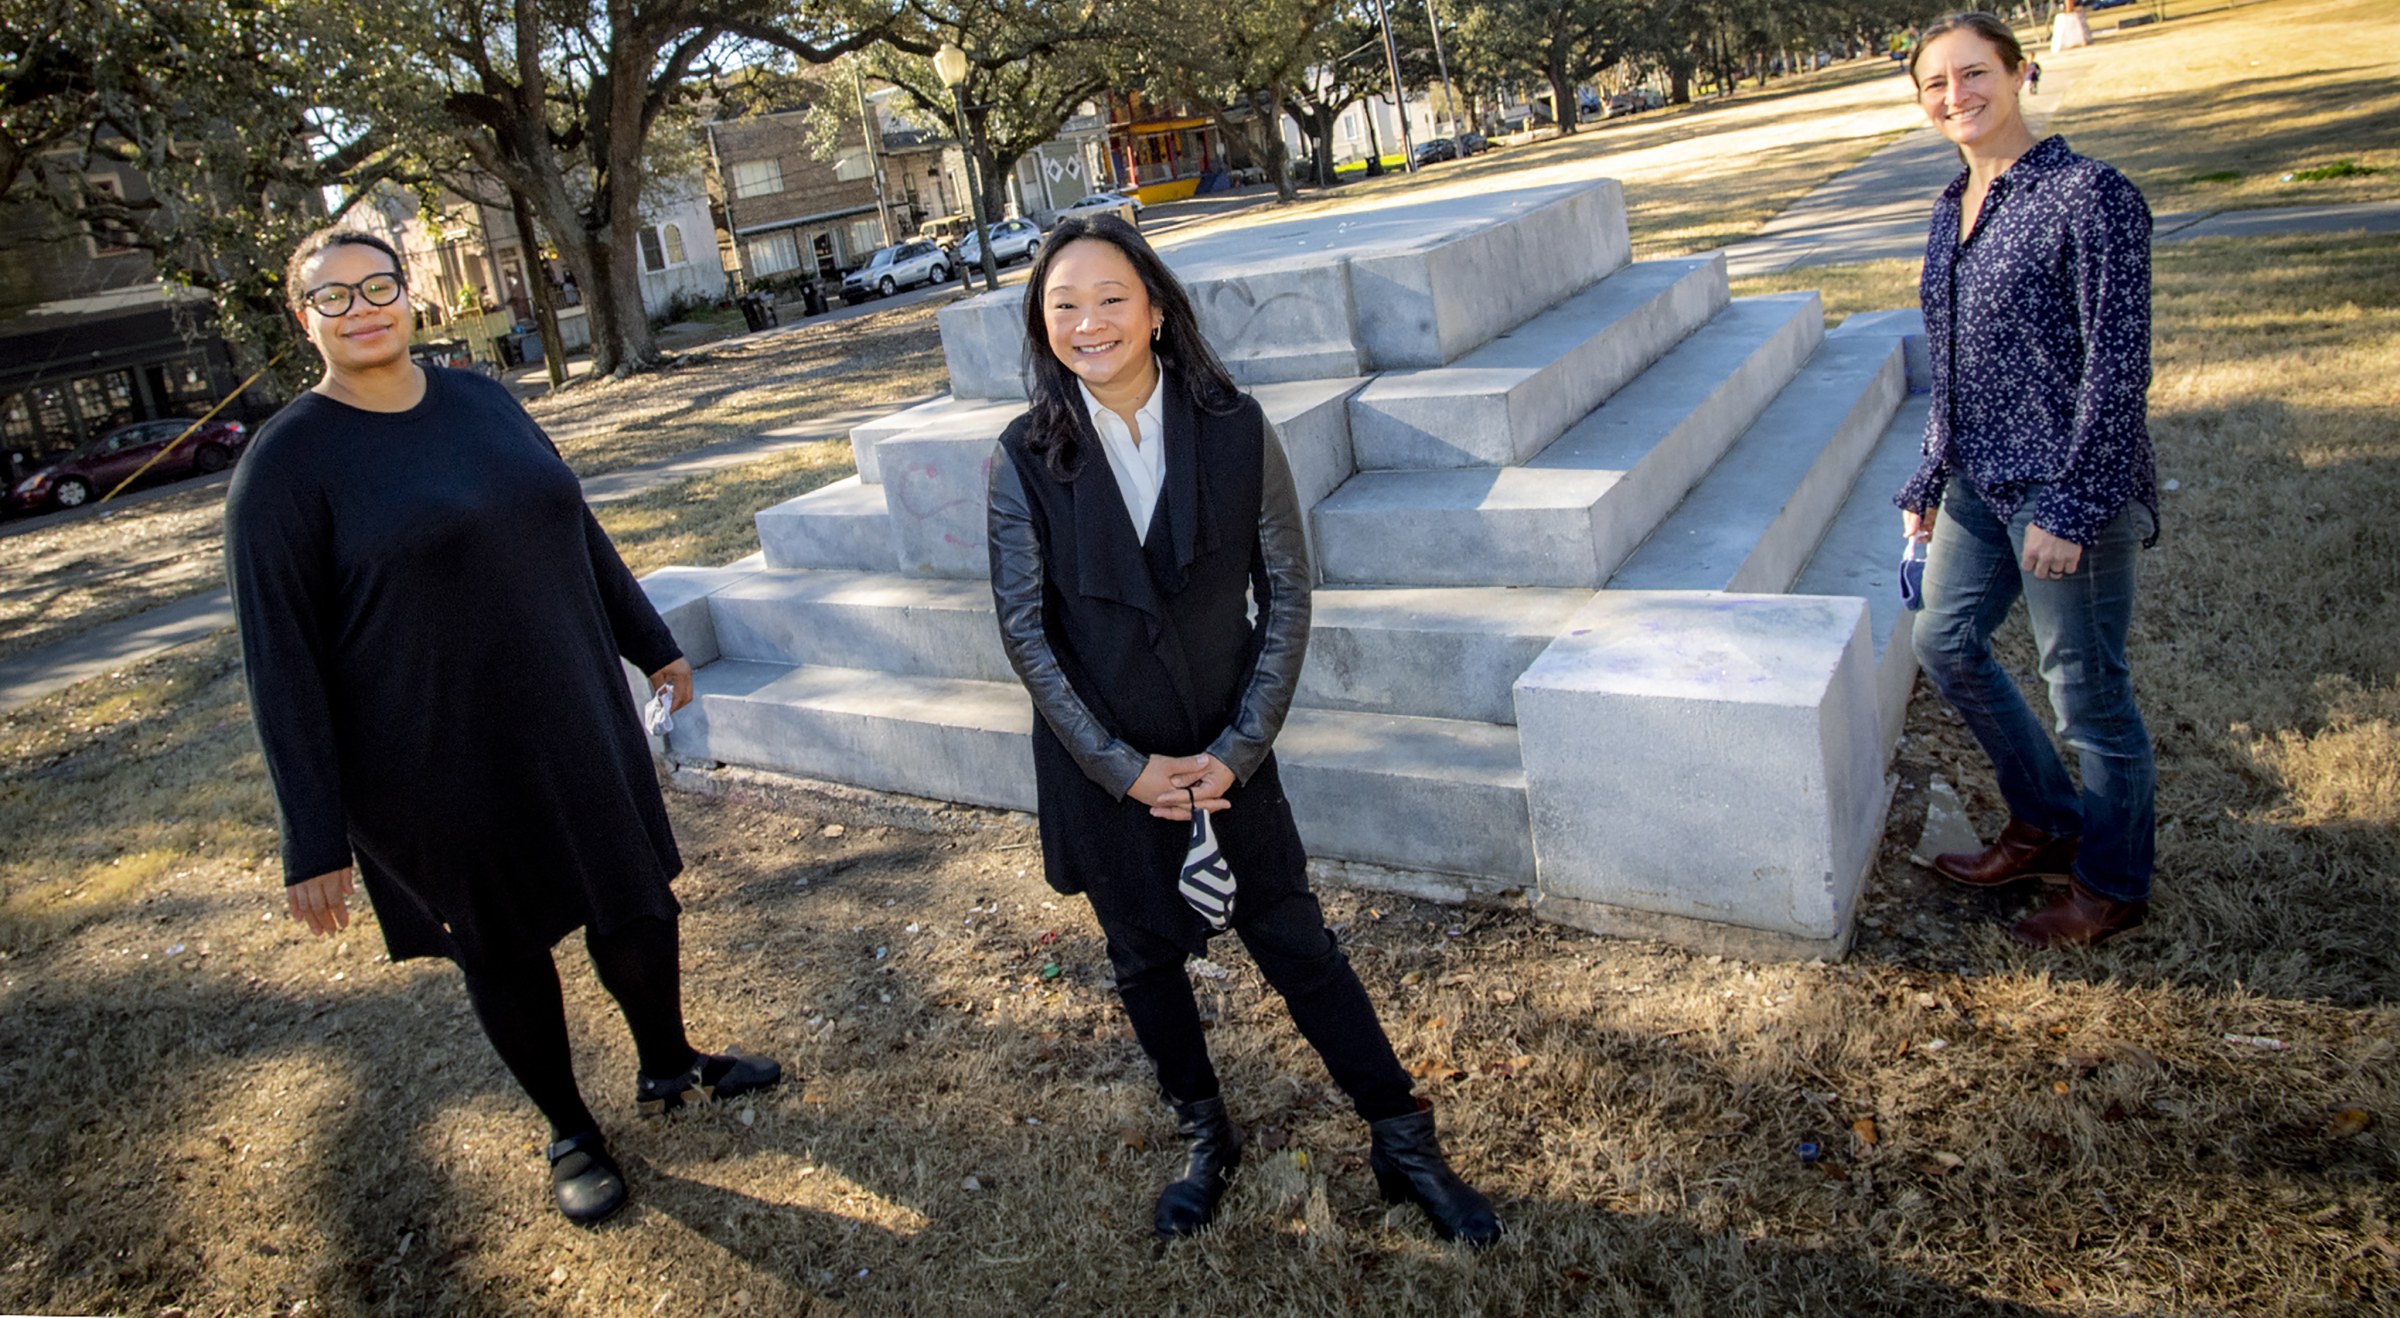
431	620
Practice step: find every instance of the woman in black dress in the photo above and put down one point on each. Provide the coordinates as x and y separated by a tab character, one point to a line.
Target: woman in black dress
1139	508
431	622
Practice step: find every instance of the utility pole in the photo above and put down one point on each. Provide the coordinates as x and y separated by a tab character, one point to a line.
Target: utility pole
874	144
1391	59
1434	21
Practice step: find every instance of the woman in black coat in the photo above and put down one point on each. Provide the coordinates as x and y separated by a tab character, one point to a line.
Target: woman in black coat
1139	508
431	622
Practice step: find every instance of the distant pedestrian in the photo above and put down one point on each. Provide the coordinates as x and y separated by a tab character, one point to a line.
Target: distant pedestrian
431	622
1139	511
2033	76
2036	294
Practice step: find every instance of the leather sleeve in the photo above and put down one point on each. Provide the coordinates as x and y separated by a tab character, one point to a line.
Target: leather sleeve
1279	585
1017	588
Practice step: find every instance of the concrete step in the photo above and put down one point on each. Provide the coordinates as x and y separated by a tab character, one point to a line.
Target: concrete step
1860	555
1751	523
1415	283
1443	795
1505	401
1435	653
1570	516
842	525
865	436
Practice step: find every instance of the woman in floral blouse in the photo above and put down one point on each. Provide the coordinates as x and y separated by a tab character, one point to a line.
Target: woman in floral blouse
2036	292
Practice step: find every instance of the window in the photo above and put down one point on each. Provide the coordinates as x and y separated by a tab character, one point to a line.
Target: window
864	236
16	420
757	178
654	258
105	400
773	253
853	165
672	236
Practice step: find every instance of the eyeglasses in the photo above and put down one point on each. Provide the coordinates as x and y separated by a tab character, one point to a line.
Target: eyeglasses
333	299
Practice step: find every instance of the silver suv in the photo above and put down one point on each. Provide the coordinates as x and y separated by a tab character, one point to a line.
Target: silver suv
891	269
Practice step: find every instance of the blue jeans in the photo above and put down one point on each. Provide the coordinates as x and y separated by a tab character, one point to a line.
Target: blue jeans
2079	621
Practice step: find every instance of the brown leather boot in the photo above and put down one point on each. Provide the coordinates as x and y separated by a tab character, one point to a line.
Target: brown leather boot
2021	852
2078	917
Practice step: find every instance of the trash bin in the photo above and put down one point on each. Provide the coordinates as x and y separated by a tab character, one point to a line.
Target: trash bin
754	316
812	298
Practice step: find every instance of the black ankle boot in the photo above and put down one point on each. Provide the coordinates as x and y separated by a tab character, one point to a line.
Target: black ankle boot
713	1075
1408	1164
1215	1145
586	1180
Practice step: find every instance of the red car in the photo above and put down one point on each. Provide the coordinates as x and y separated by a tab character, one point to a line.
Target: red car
99	466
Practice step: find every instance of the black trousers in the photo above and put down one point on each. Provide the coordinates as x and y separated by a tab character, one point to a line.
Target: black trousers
1304	962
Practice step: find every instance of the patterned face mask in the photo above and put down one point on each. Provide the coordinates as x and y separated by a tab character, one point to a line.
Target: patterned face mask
1912	575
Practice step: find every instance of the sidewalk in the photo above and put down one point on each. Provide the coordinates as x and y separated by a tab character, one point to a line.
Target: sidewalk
30	676
1878	209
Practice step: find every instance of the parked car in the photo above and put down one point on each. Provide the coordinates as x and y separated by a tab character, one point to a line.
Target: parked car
99	466
1427	152
891	269
1012	240
1105	201
1472	144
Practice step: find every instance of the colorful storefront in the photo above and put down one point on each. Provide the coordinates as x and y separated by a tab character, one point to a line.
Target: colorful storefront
1159	156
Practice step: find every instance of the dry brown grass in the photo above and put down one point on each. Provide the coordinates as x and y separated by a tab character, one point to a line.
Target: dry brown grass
60	581
260	1120
707	520
735	390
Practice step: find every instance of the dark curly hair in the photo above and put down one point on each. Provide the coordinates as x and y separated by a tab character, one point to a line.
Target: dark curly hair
1060	426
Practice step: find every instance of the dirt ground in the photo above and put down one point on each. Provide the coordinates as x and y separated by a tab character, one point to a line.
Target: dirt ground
210	1112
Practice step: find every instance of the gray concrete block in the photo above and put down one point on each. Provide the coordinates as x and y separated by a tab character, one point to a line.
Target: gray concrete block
1505	401
1273	322
935	737
983	344
1447	294
842	525
681	595
1906	325
923	626
1860	556
1429	652
1570	516
1707	756
937	490
1423	794
865	436
1750	524
1313	419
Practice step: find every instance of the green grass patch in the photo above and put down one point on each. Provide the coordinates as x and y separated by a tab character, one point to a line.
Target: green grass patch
2338	169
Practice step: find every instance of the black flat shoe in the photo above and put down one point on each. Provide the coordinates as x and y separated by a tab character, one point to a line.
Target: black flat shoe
1408	1165
588	1182
713	1075
1214	1148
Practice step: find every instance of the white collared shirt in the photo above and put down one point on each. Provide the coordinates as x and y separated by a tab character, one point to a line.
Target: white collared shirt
1140	468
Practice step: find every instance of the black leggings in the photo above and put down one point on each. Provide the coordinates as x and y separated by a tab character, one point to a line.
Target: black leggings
1305	963
524	1015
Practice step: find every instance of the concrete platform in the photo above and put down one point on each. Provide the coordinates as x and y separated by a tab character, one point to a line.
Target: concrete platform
842	525
1316	297
1505	402
1860	556
1430	652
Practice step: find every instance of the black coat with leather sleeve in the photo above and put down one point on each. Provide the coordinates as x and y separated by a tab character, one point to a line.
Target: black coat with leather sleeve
1138	646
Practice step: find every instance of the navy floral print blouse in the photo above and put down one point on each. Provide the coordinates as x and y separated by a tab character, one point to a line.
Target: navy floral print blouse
2039	329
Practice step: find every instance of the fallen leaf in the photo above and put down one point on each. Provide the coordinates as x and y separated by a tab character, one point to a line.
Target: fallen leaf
1521	1061
2060	1087
1864	1129
1413	977
832	830
1437	1023
1946	1163
2348	1122
1134	1140
1504	996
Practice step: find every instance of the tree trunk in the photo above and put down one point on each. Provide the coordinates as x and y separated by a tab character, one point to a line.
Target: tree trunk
537	279
1563	106
1270	138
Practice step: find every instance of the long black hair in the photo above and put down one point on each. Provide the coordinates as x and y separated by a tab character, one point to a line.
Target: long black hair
1060	424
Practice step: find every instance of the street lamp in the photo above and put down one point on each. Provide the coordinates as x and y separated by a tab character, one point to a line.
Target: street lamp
950	65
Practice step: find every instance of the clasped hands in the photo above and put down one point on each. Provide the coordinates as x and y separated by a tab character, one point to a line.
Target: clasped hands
1174	786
